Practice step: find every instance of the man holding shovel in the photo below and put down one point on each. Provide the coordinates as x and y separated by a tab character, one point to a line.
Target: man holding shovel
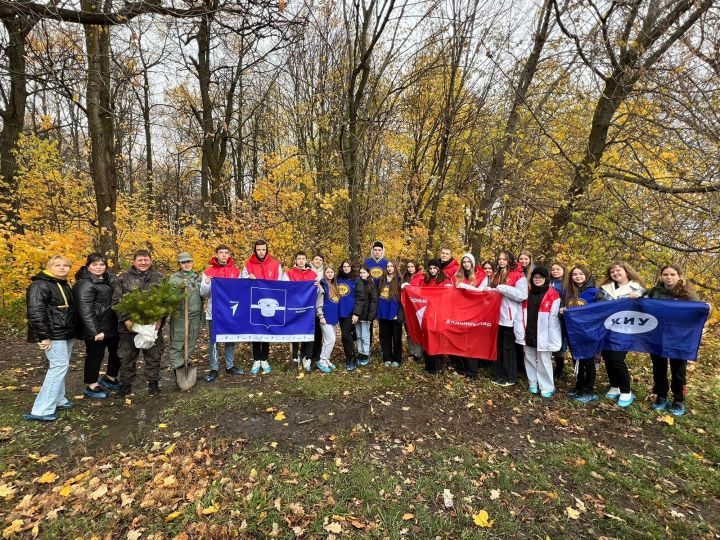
185	322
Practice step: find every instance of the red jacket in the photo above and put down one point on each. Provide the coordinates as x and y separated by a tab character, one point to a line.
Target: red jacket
417	279
267	269
301	274
217	270
451	269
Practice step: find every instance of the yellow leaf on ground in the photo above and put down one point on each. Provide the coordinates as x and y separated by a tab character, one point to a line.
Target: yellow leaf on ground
481	519
6	491
210	510
572	513
99	492
14	527
169	449
563	422
162	426
407	516
8	474
666	419
273	444
174	516
333	527
280	416
66	490
47	478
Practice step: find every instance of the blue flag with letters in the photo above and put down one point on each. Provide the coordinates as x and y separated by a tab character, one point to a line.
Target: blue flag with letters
667	328
262	310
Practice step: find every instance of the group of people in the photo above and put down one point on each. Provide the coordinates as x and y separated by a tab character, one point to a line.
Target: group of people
530	335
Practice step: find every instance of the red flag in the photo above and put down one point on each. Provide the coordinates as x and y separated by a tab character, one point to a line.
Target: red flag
447	320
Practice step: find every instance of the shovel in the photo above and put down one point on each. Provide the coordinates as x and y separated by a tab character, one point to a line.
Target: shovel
186	377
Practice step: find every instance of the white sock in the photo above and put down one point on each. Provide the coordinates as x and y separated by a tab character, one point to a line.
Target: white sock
625	397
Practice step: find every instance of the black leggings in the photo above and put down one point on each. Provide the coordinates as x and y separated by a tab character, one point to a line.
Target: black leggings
617	370
94	354
586	372
678	372
346	335
261	351
506	365
391	340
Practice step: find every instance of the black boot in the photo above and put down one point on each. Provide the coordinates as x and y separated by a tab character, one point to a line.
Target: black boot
154	387
124	389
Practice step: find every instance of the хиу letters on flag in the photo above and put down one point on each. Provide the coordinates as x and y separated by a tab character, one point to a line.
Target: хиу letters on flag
447	320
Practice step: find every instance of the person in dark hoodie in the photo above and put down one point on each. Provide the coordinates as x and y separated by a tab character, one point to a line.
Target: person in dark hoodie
670	286
365	309
222	265
52	325
376	262
141	276
581	291
261	265
346	282
98	325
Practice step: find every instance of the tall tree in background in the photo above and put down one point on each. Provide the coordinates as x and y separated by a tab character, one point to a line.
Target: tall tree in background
633	38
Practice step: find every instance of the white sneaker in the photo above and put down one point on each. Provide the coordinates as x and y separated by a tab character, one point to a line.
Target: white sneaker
296	360
256	367
307	364
265	365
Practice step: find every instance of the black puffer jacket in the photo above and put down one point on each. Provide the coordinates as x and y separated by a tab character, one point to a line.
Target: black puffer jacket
93	301
50	309
366	296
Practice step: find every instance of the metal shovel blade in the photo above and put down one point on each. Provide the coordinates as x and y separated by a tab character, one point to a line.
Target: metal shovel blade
186	377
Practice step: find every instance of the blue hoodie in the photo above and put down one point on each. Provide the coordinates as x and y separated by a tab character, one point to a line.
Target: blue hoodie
388	307
346	288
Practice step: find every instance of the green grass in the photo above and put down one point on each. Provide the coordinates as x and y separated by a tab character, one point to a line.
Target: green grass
647	480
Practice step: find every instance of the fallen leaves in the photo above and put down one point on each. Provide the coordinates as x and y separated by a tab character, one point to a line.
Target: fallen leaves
174	515
666	419
482	519
47	478
333	527
99	492
407	516
212	509
572	513
15	527
280	416
7	491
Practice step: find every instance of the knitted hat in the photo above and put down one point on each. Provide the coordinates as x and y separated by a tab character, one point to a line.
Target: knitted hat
469	256
540	270
434	262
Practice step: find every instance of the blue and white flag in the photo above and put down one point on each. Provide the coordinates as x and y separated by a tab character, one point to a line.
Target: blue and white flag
667	328
263	310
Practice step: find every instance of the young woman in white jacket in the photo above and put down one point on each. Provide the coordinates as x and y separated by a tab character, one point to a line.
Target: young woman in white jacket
621	281
512	284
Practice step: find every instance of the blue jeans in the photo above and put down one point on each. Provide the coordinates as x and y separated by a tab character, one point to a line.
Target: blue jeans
229	352
362	329
52	392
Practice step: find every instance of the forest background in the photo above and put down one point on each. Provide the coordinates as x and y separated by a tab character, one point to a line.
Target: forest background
583	131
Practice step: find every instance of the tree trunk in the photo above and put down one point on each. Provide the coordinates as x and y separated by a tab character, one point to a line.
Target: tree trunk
100	127
13	117
497	174
614	93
